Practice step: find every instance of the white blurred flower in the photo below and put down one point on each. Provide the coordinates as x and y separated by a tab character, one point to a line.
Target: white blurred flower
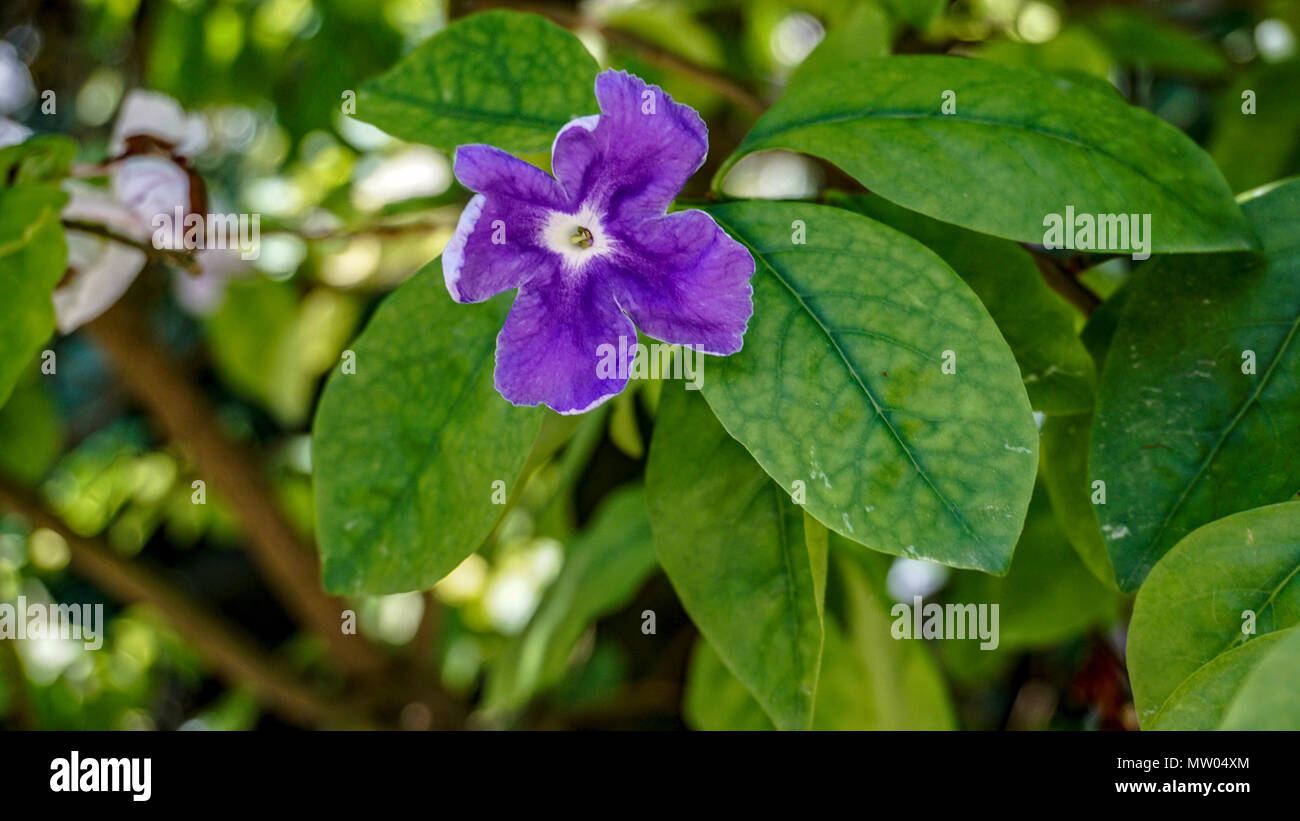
158	116
16	86
149	186
101	269
773	175
202	295
12	133
911	577
142	187
415	171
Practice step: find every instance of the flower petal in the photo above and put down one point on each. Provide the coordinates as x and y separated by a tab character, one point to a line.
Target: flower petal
487	170
161	117
632	160
553	350
685	281
153	187
496	243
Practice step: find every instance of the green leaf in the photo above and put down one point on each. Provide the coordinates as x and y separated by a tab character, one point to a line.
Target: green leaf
30	433
1037	323
864	33
1183	434
603	569
1137	38
1048	596
1065	456
735	549
1194	605
45	158
499	77
1268	698
407	449
1074	53
1201	701
33	258
1256	136
841	388
1051	141
868	680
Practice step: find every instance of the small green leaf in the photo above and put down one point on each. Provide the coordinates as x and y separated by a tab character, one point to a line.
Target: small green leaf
843	394
1065	456
45	158
1198	409
33	257
735	549
407	449
1038	325
1201	701
603	568
1020	144
499	77
868	681
1237	574
863	33
1137	38
1268	698
30	433
1253	142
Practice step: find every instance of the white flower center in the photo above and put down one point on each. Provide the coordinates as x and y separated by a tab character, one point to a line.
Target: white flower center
576	238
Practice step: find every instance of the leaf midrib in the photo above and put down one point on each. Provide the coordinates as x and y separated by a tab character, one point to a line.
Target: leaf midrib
483	115
880	411
1226	431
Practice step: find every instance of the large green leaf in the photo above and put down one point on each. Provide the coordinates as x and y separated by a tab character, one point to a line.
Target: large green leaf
406	450
1182	435
1268	698
1193	606
603	568
499	77
1021	144
737	552
841	388
1038	325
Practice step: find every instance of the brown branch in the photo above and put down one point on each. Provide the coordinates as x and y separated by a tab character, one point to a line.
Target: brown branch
1069	287
232	655
185	415
20	707
652	54
178	258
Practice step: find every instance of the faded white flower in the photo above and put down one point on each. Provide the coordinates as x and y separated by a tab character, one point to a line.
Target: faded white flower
150	113
16	86
12	133
142	187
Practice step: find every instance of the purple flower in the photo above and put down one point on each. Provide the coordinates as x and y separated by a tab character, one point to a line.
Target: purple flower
592	246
